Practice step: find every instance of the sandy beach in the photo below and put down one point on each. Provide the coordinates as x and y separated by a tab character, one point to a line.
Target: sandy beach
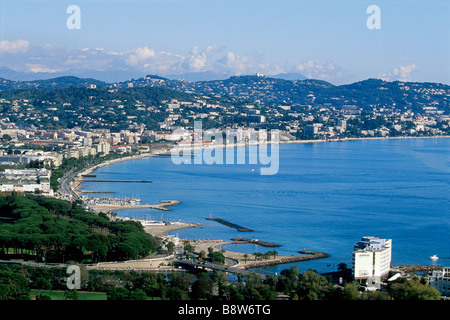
160	231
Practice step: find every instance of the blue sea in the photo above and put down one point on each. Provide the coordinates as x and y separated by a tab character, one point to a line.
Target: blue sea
324	197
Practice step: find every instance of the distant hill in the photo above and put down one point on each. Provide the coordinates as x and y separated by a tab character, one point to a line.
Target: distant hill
275	91
368	94
54	83
106	76
69	102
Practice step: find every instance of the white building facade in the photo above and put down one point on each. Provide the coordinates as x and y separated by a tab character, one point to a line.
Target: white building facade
26	180
372	260
440	279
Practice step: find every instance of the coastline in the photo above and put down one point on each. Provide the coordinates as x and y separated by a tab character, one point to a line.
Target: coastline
161	231
77	181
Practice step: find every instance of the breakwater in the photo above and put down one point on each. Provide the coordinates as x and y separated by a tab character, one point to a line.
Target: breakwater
306	255
231	225
313	254
416	268
166	203
256	241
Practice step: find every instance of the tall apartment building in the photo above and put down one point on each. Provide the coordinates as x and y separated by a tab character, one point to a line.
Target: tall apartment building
371	260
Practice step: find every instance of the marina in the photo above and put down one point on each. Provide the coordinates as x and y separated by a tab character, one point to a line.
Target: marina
113	201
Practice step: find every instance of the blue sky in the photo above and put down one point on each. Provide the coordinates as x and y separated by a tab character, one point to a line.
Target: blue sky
322	39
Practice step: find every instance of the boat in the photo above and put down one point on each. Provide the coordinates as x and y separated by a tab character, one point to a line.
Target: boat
434	257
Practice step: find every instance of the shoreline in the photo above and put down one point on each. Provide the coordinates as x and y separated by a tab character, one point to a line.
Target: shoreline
162	230
77	181
194	146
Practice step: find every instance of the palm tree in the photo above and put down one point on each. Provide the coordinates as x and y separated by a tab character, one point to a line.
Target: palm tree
274	253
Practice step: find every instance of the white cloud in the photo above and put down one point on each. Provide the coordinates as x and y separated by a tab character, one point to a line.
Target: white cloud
402	73
236	64
40	68
140	56
48	58
149	60
209	59
13	47
199	61
327	72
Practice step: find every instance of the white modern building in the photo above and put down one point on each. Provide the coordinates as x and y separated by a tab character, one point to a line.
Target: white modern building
372	260
440	279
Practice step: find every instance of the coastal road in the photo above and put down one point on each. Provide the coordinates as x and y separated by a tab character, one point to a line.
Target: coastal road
64	184
213	266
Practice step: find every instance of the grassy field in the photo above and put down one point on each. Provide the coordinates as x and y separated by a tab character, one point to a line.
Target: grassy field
59	295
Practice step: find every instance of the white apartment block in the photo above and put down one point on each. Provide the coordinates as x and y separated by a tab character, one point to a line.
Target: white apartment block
26	180
372	260
440	279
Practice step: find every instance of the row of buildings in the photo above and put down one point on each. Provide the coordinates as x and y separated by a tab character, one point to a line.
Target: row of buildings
26	180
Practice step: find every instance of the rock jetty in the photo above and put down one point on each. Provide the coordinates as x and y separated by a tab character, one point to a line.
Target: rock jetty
231	225
256	241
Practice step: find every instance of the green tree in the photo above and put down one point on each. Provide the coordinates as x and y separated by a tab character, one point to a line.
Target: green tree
42	283
217	257
138	294
175	293
412	289
171	247
154	285
71	294
202	288
311	286
117	293
351	292
13	285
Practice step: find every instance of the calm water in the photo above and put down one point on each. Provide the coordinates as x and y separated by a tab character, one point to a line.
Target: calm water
325	197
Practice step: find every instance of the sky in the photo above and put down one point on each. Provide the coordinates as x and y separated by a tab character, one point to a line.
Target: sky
322	39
